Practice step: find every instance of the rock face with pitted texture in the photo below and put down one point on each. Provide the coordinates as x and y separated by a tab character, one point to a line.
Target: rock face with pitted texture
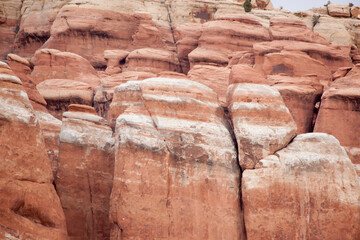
176	172
85	172
262	123
29	205
339	112
310	188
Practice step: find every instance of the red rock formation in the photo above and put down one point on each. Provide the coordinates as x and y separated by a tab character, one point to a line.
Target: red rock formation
37	17
88	32
242	73
339	112
242	57
85	172
50	128
300	95
29	206
152	60
187	37
9	21
114	60
293	29
295	64
49	125
336	10
60	93
310	188
53	64
104	93
176	175
22	69
215	77
332	56
225	35
262	123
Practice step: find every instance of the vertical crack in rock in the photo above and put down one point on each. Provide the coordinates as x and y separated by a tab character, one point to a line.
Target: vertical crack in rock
168	202
90	233
167	6
230	127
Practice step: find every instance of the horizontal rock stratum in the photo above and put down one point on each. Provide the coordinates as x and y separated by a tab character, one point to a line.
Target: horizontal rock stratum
176	174
178	119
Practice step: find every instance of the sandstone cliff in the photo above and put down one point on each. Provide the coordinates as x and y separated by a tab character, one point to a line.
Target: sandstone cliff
178	119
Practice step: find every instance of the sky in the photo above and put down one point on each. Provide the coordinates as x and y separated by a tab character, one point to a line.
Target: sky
296	5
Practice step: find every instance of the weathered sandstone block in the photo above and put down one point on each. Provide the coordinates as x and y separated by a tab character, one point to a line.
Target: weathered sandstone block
215	77
152	60
300	95
308	190
29	205
339	112
85	172
54	64
176	173
60	93
262	123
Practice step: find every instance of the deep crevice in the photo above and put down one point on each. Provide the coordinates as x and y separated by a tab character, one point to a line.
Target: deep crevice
167	6
230	127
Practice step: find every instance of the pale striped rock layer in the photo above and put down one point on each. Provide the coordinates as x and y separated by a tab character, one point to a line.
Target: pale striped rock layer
176	173
262	123
29	205
310	188
85	172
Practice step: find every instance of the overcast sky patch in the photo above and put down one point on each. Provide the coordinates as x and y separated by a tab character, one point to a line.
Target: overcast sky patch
296	5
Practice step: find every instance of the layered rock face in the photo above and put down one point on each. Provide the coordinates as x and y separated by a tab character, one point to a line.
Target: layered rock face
339	112
215	77
85	172
54	64
9	22
152	60
22	68
97	30
148	110
300	95
63	78
262	123
60	93
37	17
310	188
225	35
29	205
50	128
176	173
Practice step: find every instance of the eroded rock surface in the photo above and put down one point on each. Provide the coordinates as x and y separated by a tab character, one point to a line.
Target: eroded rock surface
85	172
176	173
54	64
29	205
60	93
262	123
310	187
339	112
